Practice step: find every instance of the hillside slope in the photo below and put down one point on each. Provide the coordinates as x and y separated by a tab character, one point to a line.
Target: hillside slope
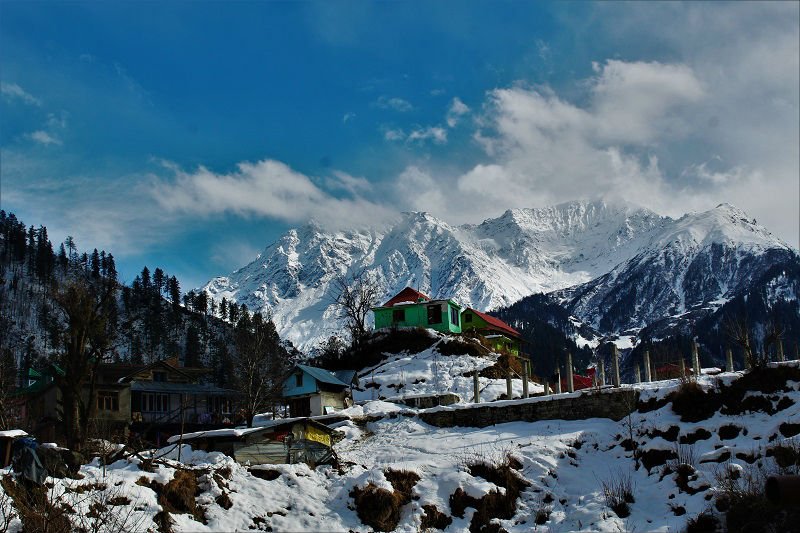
547	475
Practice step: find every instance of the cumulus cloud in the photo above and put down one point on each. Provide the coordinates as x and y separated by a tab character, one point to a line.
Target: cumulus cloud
266	188
541	148
12	91
435	134
42	137
456	111
394	103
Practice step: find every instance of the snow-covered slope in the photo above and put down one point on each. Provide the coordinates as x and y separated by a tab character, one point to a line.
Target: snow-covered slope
600	247
487	265
700	260
683	469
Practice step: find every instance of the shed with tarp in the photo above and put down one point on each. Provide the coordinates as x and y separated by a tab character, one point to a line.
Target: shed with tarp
286	440
7	439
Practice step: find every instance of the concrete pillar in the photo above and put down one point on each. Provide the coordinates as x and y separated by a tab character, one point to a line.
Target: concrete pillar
524	378
570	380
728	360
682	368
558	381
648	374
509	391
476	388
615	362
781	357
601	372
695	359
638	374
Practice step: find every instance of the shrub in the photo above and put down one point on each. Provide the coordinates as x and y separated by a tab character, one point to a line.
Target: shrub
377	507
434	519
618	493
494	504
692	403
705	522
403	482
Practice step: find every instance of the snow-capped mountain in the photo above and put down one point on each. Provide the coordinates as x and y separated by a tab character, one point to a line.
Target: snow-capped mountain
701	260
593	247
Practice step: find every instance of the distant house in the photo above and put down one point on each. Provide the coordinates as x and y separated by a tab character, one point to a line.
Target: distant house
165	396
312	391
109	407
151	400
500	336
287	440
410	308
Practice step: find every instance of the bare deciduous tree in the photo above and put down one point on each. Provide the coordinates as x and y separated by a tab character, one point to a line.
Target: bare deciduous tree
354	295
739	331
261	364
87	307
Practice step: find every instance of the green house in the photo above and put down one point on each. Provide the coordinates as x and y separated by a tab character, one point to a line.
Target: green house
411	309
500	336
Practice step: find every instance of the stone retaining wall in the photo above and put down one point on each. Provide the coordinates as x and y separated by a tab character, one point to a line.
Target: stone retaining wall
615	404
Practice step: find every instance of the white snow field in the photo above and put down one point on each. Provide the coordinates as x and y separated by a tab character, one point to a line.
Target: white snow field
565	463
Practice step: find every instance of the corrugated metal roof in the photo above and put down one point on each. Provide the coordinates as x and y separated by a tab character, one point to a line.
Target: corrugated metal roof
192	388
496	323
320	374
345	376
406	295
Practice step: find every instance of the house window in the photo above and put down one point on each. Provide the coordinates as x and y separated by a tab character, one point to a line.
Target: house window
434	314
107	401
159	376
219	404
454	316
399	315
298	379
468	317
155	403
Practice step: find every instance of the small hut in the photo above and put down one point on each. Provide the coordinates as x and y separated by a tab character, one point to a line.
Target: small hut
286	440
7	439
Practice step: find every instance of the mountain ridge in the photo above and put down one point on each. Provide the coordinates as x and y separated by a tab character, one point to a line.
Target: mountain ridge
491	264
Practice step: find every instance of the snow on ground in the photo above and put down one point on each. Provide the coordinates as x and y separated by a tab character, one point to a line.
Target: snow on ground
565	462
430	372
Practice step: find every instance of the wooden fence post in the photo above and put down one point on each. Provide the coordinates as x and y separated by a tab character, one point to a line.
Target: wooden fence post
524	378
648	374
558	381
615	361
570	378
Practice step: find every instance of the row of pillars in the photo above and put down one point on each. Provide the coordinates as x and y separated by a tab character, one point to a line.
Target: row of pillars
649	372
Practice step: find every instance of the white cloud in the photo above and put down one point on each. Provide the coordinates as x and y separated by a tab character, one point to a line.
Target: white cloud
632	102
394	103
42	137
266	188
626	139
394	134
456	111
347	117
429	133
12	91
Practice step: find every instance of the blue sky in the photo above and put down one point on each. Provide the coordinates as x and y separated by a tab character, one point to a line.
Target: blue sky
190	135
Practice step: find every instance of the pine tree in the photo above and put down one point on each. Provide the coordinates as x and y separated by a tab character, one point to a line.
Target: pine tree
158	280
94	264
192	348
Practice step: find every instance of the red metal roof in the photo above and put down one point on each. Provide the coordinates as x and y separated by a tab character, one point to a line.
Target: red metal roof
496	323
406	295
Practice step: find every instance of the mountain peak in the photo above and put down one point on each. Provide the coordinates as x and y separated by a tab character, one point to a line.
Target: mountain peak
485	266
